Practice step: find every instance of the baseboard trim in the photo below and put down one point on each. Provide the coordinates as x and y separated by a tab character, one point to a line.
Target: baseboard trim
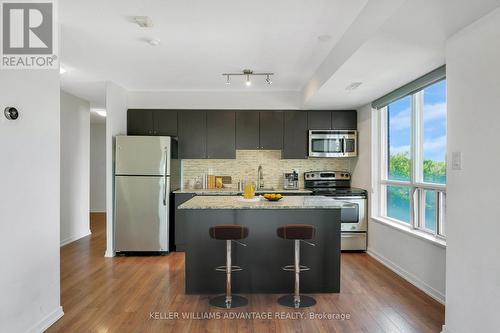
435	294
48	321
445	329
74	238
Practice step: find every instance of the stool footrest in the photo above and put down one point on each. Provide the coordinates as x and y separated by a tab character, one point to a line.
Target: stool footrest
291	268
233	268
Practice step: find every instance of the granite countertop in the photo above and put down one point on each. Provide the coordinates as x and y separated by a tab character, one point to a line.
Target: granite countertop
236	202
225	191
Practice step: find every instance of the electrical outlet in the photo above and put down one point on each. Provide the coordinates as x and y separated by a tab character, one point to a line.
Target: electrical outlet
456	160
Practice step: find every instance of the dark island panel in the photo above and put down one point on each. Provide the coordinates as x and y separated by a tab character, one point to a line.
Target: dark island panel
264	254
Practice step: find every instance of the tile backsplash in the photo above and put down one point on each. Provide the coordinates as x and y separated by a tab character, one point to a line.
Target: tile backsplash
247	161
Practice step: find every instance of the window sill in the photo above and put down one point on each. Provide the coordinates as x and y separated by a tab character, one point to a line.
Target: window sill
415	233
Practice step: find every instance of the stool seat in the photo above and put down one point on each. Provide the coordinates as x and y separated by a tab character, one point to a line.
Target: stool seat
228	232
296	231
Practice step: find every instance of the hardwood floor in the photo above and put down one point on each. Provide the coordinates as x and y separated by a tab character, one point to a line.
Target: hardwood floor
119	294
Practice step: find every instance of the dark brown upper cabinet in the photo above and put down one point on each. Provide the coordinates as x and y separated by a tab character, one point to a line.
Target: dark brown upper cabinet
325	120
151	122
295	135
247	130
319	120
344	119
165	122
271	129
140	122
192	134
221	140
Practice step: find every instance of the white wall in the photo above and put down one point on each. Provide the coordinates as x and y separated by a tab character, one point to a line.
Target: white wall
473	209
215	100
75	168
419	261
29	201
362	166
97	167
116	124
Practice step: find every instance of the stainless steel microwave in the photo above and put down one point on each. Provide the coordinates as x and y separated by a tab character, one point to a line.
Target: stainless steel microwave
333	143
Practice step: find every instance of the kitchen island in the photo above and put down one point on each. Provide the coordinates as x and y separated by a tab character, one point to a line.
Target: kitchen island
265	253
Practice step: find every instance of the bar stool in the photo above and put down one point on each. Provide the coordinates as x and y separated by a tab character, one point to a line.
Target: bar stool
229	233
298	233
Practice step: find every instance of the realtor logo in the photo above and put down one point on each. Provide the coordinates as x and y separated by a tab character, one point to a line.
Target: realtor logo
28	35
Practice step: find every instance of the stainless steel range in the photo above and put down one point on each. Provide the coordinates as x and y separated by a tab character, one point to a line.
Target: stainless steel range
337	185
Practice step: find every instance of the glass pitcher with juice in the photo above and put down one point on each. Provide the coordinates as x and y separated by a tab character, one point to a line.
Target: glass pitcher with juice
248	190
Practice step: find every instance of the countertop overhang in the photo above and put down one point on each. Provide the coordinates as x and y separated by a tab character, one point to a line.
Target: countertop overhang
287	202
225	191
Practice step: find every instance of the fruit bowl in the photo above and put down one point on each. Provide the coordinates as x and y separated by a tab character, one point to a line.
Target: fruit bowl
272	196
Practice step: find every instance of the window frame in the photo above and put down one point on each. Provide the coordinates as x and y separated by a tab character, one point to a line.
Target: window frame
416	183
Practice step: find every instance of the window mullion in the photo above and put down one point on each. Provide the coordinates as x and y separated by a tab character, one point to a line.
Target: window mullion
383	153
438	213
416	157
417	135
383	144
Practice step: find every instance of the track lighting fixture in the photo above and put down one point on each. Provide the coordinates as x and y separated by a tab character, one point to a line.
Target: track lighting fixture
268	80
248	73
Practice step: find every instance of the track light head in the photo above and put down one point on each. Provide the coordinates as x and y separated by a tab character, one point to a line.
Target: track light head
248	82
268	80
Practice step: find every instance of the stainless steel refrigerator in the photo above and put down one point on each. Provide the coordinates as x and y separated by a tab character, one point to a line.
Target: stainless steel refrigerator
146	172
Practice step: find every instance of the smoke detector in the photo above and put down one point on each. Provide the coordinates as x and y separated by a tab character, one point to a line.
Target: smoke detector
143	21
353	85
154	42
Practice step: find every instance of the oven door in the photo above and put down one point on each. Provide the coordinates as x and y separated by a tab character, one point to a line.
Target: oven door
353	219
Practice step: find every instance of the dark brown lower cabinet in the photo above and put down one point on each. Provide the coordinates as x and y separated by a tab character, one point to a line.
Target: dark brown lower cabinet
179	220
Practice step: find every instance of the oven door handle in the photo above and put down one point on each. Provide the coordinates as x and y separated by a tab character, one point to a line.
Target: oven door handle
346	198
353	234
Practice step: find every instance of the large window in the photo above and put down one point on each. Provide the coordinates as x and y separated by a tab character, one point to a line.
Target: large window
413	161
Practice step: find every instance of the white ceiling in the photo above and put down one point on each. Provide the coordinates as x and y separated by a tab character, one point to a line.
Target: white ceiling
408	45
202	39
199	41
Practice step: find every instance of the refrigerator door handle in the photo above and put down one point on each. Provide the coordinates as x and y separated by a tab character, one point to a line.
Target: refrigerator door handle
165	178
164	191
